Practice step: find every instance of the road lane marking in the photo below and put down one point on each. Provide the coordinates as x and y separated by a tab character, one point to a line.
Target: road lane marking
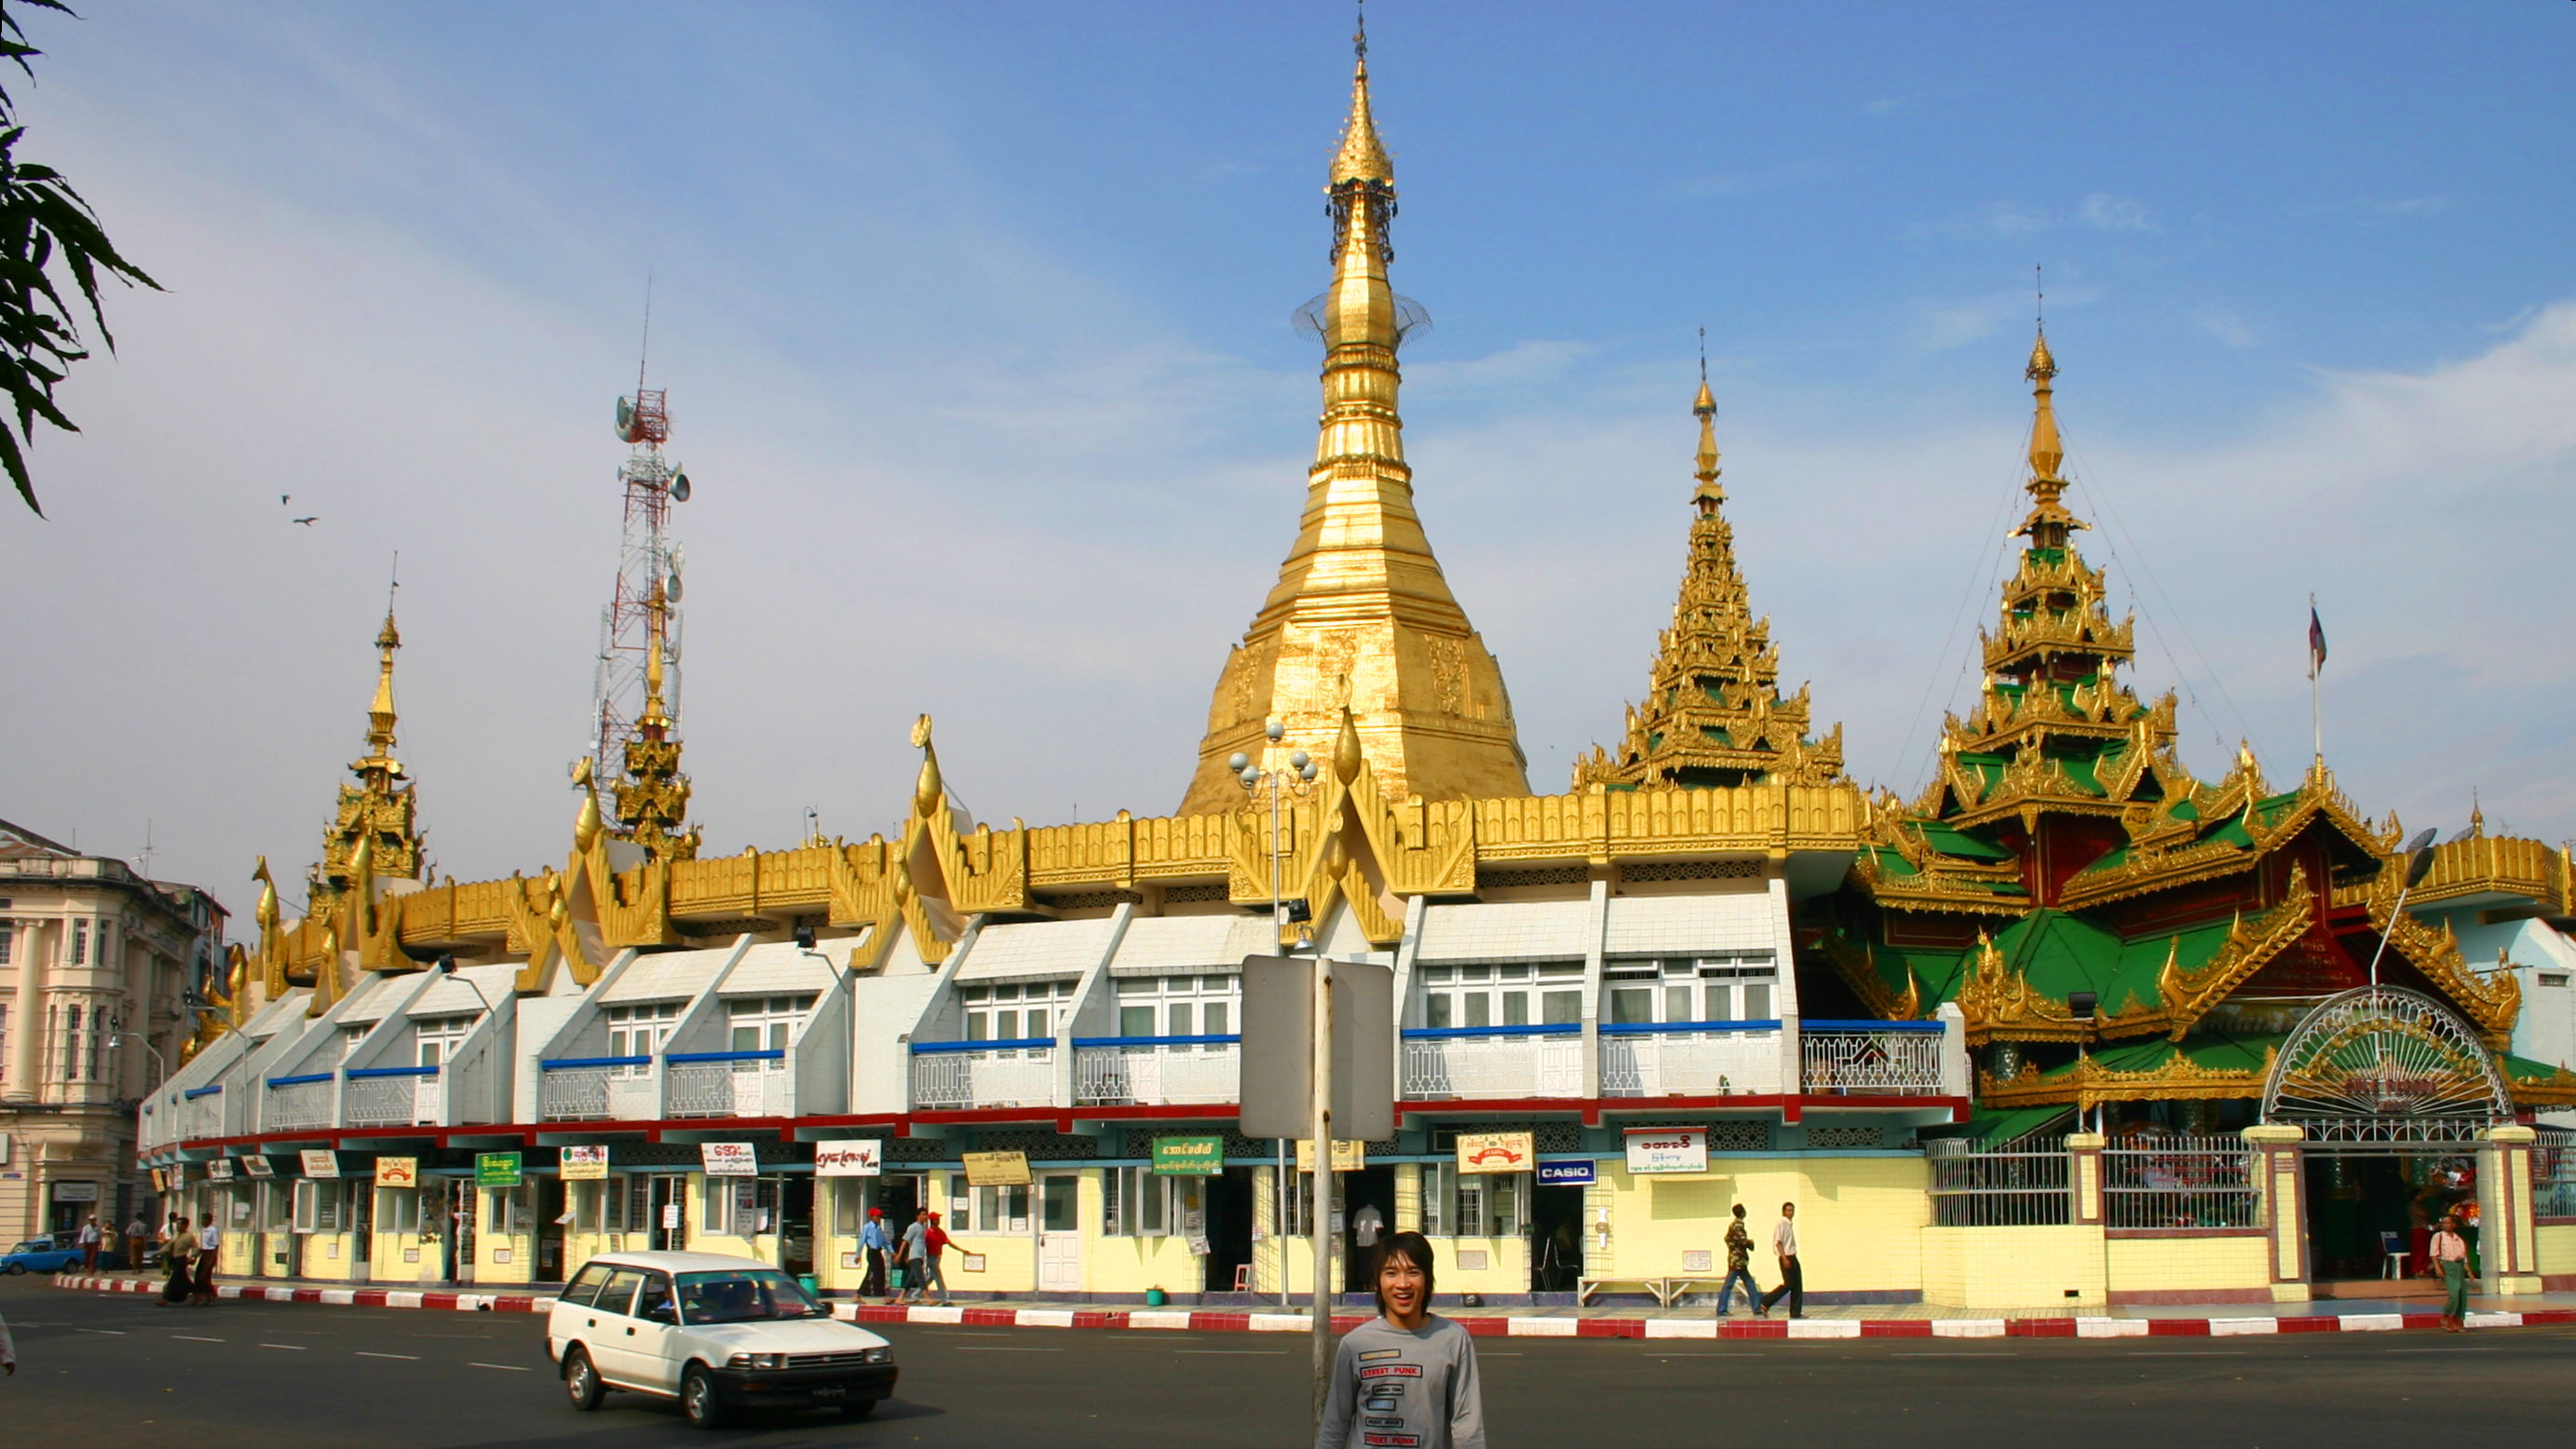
1275	1352
1954	1355
1005	1348
507	1368
111	1332
192	1338
2189	1353
289	1347
415	1358
2451	1348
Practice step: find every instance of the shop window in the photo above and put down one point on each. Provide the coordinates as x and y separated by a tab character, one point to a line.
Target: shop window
1542	993
397	1210
764	1023
438	1038
1473	1205
640	1030
741	1206
1674	990
1018	1011
1000	1210
1137	1203
317	1202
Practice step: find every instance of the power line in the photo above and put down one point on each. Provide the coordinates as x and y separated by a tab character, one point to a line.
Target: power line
1988	566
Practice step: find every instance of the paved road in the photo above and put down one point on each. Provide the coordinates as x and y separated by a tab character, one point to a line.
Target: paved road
280	1376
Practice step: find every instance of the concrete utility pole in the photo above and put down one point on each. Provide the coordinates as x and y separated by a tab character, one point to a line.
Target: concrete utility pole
1321	1219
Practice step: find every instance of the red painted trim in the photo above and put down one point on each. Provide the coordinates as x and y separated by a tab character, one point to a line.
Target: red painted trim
1896	1328
2177	1328
1609	1328
1485	1327
2312	1323
1757	1328
2039	1328
2151	1297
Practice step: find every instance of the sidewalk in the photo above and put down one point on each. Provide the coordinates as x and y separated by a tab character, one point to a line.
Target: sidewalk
1883	1320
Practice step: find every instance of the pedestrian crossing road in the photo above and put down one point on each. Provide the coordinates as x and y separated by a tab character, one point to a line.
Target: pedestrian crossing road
281	1376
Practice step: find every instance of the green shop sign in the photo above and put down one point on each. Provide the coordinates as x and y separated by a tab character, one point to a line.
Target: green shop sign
1189	1156
496	1169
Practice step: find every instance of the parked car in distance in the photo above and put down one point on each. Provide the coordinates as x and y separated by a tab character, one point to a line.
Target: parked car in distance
40	1255
713	1332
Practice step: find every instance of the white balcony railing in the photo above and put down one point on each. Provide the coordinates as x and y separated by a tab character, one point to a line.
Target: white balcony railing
1691	1059
598	1089
201	1114
393	1097
1472	1063
727	1084
298	1104
1140	1071
955	1076
1872	1058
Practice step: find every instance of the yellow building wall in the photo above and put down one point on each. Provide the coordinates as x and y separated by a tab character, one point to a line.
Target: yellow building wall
1506	1270
325	1256
519	1243
1134	1264
2554	1249
2173	1264
2014	1267
1859	1219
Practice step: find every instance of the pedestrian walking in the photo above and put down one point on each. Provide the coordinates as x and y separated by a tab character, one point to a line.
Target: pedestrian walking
873	1246
916	1257
210	1252
180	1254
1739	1268
138	1243
1784	1247
2451	1255
88	1239
1407	1376
936	1242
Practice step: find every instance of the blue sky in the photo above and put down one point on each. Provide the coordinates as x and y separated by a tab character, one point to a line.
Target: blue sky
975	321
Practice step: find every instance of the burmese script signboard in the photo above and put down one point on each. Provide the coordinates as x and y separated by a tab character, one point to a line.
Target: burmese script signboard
1189	1156
1490	1152
1667	1149
584	1164
729	1159
997	1169
856	1157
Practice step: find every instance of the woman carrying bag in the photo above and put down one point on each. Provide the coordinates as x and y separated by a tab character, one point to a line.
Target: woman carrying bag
1407	1376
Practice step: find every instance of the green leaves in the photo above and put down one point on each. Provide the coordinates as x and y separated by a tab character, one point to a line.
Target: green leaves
46	229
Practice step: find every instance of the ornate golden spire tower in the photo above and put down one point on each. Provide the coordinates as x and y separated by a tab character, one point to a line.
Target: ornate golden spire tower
653	798
377	807
1361	615
1713	713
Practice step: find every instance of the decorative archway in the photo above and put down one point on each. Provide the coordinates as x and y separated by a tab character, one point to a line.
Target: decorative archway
2379	1063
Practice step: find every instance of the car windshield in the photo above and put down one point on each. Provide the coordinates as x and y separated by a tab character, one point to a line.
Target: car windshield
34	1245
751	1296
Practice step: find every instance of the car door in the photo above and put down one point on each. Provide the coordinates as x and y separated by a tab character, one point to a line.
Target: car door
608	1327
655	1337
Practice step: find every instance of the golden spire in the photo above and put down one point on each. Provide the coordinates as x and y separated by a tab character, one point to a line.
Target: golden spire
653	799
1361	157
1708	495
380	715
1361	616
373	832
1713	713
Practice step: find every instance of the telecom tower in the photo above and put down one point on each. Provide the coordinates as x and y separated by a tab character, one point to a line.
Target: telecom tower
648	580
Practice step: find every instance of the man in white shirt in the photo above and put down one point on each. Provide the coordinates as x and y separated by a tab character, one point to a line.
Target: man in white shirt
210	1253
1784	1246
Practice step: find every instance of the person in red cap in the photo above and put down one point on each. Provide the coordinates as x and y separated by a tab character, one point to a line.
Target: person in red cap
874	1246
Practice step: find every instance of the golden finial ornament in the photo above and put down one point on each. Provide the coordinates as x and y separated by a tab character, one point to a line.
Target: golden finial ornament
1708	494
1347	757
653	798
1361	157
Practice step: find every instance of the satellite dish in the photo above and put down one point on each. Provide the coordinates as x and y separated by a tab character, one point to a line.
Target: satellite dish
679	556
625	420
679	487
671	587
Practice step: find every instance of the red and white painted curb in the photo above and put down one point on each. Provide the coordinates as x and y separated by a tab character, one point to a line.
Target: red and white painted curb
1201	1321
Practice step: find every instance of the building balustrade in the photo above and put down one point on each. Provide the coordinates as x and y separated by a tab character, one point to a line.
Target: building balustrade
957	1076
1115	1071
726	1084
1491	1062
1690	1059
1871	1058
298	1104
393	1097
597	1089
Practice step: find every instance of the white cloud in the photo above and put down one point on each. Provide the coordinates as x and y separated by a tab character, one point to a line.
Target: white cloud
2229	326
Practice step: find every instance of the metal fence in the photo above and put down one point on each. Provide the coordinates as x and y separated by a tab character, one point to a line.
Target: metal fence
2553	1174
1893	1059
2180	1182
2018	1185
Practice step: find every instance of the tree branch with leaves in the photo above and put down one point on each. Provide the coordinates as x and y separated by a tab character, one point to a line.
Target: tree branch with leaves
47	231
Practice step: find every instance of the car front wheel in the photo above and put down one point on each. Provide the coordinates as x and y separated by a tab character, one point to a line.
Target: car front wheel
581	1381
14	1269
698	1402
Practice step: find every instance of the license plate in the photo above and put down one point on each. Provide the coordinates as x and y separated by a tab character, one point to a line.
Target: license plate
833	1391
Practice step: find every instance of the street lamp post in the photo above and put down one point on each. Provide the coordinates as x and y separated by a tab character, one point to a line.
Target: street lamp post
1295	780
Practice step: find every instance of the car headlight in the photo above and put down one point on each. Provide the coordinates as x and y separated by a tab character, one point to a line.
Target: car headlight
875	1355
755	1361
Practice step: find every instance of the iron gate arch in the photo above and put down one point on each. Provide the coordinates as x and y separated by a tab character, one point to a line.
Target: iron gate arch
2384	1064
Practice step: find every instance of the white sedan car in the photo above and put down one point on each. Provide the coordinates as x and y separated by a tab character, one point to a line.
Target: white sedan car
713	1332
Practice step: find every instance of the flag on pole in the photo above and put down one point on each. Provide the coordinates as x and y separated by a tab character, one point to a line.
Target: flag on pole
2316	642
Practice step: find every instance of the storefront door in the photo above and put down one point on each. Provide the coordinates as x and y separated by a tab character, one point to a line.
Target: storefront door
669	1209
1059	1233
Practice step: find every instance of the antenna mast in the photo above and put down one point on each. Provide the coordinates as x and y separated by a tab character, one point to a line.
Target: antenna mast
647	561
